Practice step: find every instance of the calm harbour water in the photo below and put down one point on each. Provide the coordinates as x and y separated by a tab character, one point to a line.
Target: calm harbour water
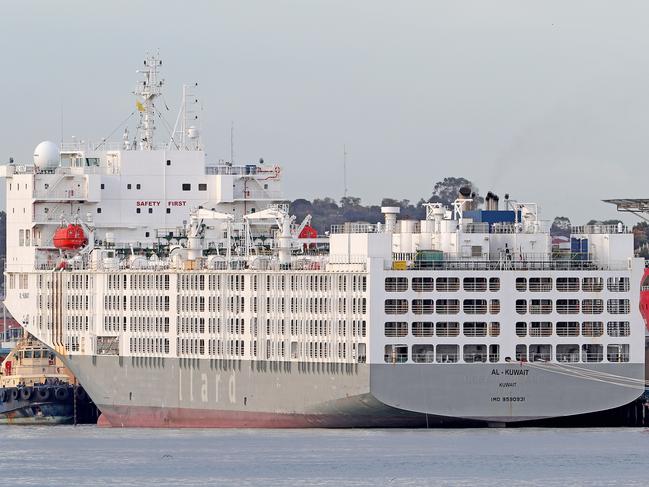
86	455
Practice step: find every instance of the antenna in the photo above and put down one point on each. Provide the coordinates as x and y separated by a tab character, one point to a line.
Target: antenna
232	142
185	135
344	170
148	89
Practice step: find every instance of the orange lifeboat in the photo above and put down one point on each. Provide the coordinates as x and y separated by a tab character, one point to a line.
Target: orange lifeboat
70	237
308	232
644	297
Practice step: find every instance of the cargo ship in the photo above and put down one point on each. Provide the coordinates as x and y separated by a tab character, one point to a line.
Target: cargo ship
182	293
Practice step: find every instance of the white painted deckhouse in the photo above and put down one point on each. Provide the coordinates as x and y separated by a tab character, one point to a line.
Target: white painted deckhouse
180	293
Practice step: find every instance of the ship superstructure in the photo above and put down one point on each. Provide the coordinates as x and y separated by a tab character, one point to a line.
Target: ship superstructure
181	294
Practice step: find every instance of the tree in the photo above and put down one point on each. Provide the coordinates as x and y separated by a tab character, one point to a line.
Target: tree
446	191
561	226
604	222
347	201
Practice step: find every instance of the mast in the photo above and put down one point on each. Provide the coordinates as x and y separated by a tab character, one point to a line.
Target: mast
147	90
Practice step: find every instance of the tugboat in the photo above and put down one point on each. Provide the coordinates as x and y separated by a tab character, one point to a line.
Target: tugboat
36	388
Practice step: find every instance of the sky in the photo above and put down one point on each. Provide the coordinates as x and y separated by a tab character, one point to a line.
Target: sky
547	101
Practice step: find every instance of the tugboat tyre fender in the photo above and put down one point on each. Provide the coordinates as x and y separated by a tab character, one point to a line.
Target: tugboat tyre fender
13	394
81	393
26	393
43	393
3	395
61	393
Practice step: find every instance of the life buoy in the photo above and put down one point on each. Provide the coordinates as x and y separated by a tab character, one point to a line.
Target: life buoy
13	393
43	393
26	393
81	393
61	393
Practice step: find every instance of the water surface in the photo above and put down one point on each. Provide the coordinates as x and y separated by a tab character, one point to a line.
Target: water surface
87	455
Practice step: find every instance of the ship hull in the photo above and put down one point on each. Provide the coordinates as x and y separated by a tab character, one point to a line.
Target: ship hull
155	392
34	411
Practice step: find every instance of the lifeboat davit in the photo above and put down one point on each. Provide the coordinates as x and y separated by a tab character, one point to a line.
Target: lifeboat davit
644	297
70	237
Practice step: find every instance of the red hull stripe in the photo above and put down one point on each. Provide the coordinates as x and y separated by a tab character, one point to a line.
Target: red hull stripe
149	417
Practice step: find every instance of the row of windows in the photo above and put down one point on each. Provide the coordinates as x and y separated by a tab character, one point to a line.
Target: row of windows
76	323
573	328
572	306
22	280
185	186
481	353
441	328
137	210
482	284
442	284
442	306
572	284
237	282
149	345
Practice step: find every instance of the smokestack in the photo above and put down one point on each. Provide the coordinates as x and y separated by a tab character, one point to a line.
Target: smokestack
491	201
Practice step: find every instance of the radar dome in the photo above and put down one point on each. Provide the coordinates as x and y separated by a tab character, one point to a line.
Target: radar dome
192	132
46	155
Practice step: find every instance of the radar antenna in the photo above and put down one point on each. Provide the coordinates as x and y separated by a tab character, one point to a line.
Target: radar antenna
147	90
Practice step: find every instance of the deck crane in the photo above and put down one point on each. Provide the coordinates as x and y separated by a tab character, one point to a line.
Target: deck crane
196	230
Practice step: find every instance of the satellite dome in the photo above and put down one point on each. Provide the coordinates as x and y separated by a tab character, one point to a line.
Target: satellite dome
192	132
46	155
